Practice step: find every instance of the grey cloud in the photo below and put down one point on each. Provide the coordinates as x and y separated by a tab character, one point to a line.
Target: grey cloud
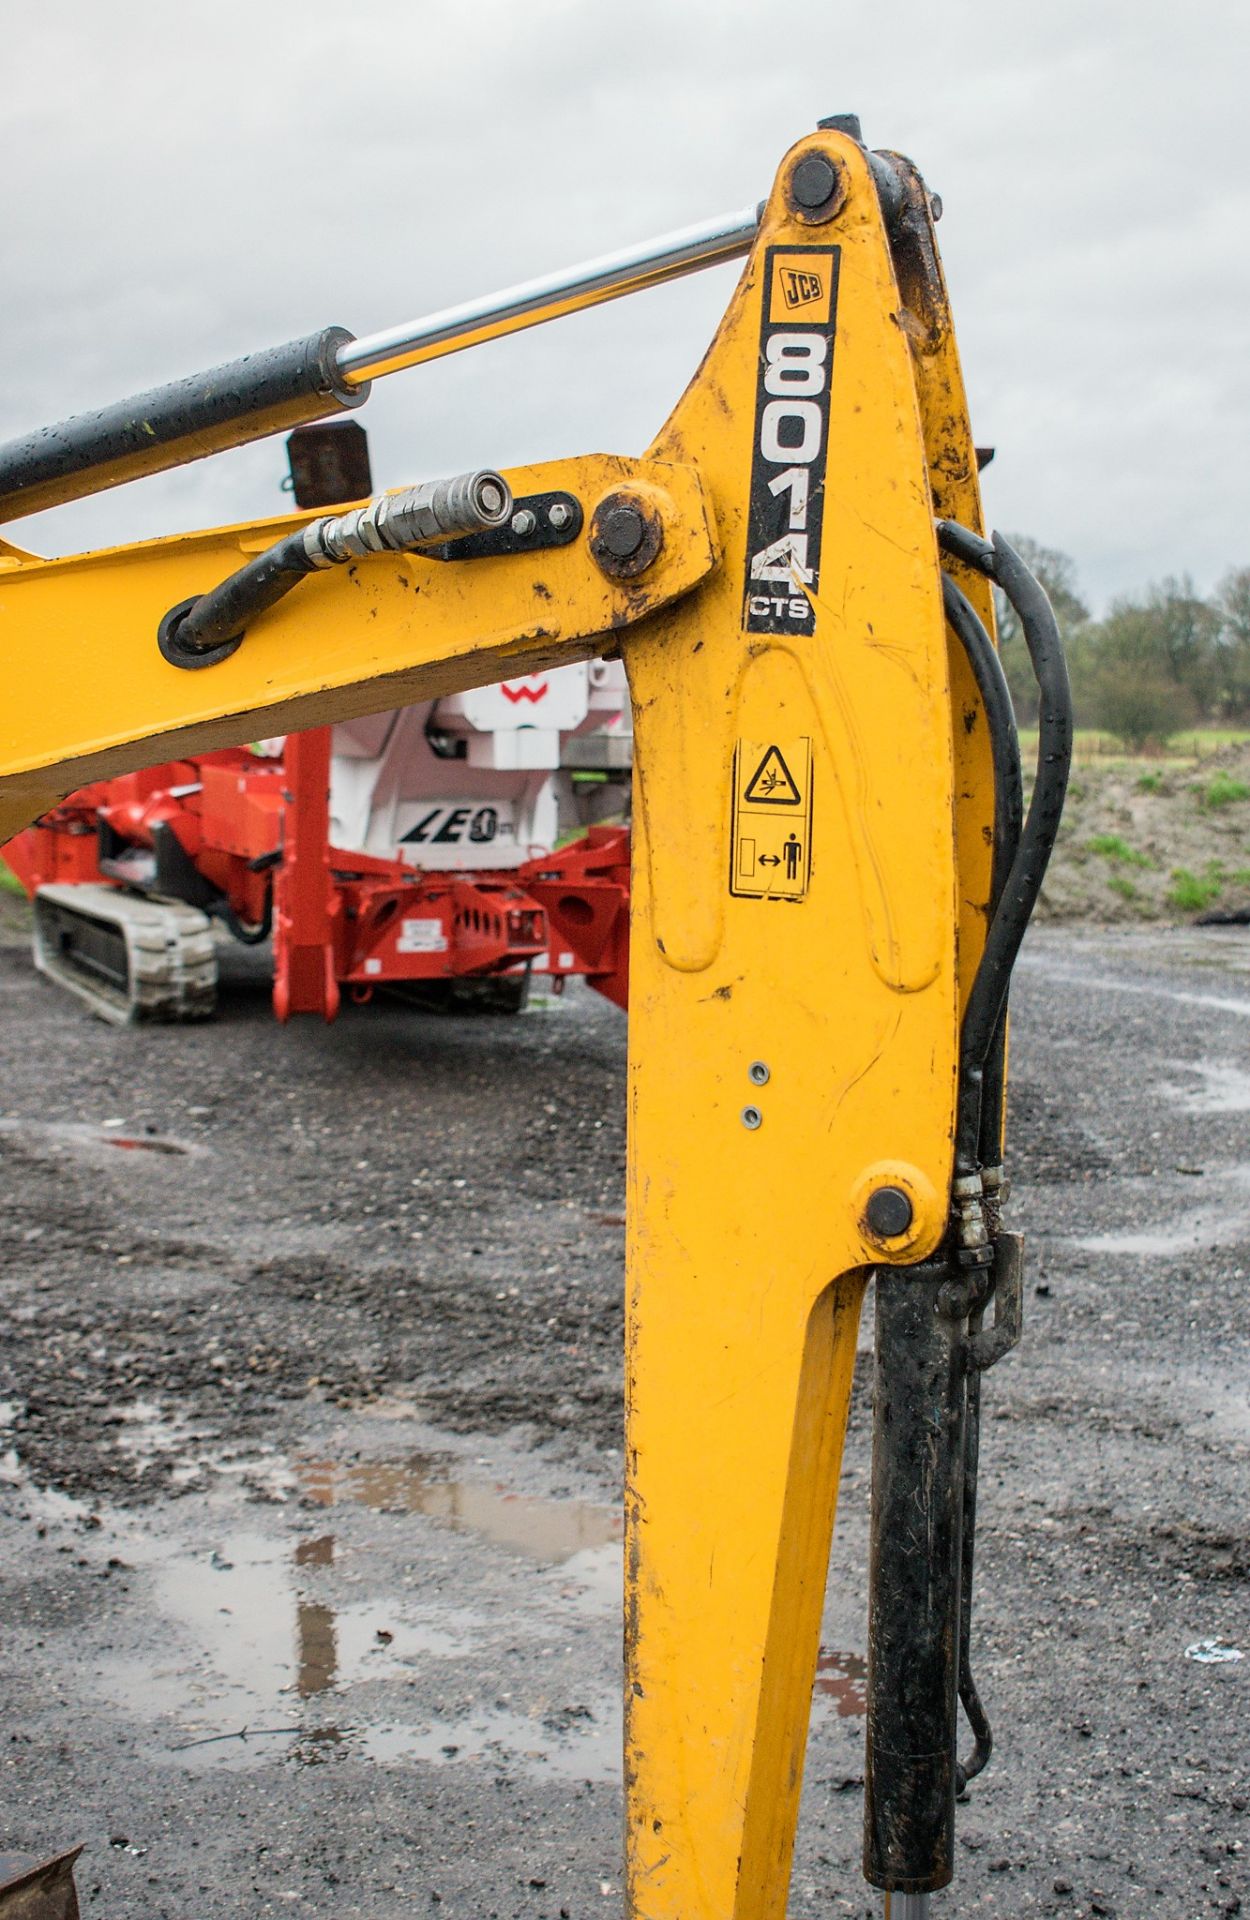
184	183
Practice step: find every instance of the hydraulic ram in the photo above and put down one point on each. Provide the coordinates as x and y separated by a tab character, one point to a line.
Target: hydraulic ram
306	380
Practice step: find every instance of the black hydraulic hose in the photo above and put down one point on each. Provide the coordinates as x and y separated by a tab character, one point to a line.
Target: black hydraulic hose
1008	818
983	1076
987	1001
987	670
239	930
207	628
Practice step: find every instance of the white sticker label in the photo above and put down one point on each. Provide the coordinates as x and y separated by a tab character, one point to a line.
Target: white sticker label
421	936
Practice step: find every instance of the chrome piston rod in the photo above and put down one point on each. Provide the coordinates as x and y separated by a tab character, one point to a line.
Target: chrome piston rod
322	375
648	264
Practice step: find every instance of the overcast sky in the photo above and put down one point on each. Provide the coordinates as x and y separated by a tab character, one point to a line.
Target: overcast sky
185	180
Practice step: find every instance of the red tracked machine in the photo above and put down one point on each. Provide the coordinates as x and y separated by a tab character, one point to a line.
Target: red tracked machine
416	849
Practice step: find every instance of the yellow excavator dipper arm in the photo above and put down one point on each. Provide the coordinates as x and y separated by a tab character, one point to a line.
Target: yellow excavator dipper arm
823	832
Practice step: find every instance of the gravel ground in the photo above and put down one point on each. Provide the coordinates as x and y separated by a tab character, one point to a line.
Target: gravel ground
309	1536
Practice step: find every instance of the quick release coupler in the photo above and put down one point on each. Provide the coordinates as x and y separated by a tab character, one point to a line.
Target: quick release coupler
208	627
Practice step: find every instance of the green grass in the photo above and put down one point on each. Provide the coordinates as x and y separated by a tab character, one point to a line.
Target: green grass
1113	847
1150	782
1222	790
1192	892
9	882
1121	884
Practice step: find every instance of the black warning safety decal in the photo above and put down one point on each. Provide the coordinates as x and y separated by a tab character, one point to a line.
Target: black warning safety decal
772	783
791	439
771	828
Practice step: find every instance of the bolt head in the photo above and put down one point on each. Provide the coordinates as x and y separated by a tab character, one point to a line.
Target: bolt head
523	523
622	532
626	535
813	182
559	514
888	1213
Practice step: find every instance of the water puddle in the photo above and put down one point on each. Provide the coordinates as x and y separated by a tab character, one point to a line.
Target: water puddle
145	1431
1220	1222
843	1678
1225	1088
252	1647
78	1133
249	1647
574	1743
1201	1230
550	1532
242	1638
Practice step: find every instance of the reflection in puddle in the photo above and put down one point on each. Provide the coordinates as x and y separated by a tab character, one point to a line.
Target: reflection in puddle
240	1627
318	1648
245	1639
316	1553
844	1678
549	1531
254	1624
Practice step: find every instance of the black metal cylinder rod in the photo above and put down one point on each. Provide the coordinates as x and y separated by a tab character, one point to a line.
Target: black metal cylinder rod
913	1580
262	393
309	379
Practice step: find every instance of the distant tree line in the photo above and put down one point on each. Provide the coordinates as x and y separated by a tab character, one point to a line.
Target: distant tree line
1158	662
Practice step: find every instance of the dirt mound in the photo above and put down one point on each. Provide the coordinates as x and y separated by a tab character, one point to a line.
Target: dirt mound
1154	840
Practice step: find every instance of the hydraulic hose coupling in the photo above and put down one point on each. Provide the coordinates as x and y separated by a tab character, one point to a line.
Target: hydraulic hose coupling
399	522
971	1235
206	629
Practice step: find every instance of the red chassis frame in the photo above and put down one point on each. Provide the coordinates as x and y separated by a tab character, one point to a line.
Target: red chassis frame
248	839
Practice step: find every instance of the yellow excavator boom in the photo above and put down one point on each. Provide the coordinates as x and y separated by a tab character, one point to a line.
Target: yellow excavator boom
826	836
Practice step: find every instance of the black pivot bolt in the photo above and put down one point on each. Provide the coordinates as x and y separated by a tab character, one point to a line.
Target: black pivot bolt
626	534
813	182
622	532
888	1213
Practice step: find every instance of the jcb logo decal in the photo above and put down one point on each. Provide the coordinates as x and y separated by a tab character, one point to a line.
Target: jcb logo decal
800	289
791	440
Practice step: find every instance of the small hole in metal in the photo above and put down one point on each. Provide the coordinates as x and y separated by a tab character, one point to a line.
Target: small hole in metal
752	1118
757	1073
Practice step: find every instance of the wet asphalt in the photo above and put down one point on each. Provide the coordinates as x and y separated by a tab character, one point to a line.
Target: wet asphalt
309	1522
